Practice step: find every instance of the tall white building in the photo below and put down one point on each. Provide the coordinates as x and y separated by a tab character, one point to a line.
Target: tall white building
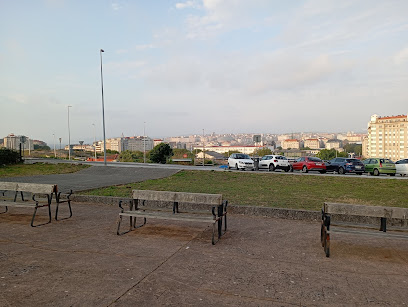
387	137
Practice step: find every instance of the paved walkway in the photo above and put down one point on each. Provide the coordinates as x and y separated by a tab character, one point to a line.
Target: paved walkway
97	177
259	262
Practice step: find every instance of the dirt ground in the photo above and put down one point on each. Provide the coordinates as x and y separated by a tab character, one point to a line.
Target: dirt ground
258	262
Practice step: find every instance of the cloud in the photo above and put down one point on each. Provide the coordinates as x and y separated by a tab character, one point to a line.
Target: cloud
116	6
401	56
127	68
187	4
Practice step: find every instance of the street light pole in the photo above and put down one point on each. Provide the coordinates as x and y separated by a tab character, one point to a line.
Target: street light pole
144	142
203	149
55	153
69	137
60	139
94	141
103	114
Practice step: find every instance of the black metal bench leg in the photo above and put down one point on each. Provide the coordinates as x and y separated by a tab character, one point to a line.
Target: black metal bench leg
35	213
383	224
5	210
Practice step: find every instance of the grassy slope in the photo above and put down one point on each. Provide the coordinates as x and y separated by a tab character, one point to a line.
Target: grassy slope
39	169
276	190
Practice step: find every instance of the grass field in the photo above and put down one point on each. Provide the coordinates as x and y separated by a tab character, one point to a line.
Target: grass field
276	190
39	169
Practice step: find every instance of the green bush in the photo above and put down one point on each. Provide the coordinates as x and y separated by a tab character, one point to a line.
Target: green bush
9	156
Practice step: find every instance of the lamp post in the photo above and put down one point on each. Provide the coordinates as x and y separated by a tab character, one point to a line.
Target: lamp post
144	142
69	137
103	114
60	139
55	153
203	149
94	141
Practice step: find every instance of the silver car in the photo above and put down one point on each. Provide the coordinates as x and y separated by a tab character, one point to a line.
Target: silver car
274	162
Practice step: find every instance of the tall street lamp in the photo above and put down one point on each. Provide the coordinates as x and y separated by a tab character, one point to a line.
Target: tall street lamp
69	137
144	142
103	114
203	149
60	139
55	152
94	141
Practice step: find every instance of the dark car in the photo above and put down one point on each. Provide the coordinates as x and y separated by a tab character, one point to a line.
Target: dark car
345	165
306	164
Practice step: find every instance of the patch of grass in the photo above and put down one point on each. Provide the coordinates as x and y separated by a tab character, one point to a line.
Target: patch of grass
39	169
275	190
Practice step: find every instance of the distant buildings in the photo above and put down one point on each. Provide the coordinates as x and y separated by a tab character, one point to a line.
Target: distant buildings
225	149
13	142
387	137
291	143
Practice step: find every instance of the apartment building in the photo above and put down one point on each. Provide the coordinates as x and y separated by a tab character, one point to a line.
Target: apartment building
249	150
312	143
387	137
291	143
333	144
13	142
139	143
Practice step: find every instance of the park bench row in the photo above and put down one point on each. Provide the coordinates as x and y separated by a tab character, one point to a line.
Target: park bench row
32	195
194	207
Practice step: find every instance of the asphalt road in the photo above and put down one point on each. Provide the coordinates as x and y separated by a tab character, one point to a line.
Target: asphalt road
176	168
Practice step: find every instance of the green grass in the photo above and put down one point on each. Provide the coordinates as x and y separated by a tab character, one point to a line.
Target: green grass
275	190
39	169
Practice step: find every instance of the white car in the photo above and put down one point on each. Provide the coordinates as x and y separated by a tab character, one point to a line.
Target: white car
274	162
401	167
240	161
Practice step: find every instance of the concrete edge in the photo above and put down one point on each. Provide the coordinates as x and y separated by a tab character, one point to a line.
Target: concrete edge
281	213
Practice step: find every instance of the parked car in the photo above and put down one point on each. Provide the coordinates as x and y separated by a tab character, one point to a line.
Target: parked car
306	164
345	165
240	161
401	167
377	166
274	162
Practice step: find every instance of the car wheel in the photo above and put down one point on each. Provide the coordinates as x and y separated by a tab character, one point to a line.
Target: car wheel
229	167
359	173
322	172
304	169
341	171
287	169
271	167
376	172
236	167
392	175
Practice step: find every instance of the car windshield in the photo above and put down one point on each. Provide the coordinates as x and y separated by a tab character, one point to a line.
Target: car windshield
313	159
242	156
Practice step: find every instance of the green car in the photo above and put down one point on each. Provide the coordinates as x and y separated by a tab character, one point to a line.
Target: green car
377	166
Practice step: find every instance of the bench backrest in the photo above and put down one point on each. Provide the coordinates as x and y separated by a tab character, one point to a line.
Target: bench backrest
36	188
8	186
364	210
181	197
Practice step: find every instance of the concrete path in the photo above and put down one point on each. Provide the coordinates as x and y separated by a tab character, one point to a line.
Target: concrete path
97	177
258	262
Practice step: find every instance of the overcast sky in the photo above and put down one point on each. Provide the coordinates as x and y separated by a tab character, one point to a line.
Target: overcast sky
226	66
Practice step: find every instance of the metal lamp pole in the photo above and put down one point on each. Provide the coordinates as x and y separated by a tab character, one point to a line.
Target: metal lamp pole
203	149
144	142
69	137
103	114
94	141
55	153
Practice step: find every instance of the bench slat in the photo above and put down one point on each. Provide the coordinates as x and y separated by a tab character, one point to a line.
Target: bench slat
17	204
36	188
8	186
154	195
363	210
181	197
170	216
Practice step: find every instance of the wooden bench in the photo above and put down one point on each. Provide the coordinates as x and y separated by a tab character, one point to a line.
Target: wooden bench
12	195
379	212
138	208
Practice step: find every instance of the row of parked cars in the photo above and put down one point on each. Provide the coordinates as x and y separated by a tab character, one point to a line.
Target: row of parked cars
373	166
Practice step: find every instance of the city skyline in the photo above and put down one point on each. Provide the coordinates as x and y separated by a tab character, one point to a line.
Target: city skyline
183	66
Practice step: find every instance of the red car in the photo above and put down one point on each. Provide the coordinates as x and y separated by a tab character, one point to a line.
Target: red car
306	164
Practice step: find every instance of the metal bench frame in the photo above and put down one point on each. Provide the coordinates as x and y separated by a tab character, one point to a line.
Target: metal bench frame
36	190
381	212
138	208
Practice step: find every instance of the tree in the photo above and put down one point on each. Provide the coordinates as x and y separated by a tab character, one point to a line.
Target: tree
328	154
131	156
263	152
160	153
178	153
351	147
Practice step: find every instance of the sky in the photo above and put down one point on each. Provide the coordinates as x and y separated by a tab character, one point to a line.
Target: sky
177	67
